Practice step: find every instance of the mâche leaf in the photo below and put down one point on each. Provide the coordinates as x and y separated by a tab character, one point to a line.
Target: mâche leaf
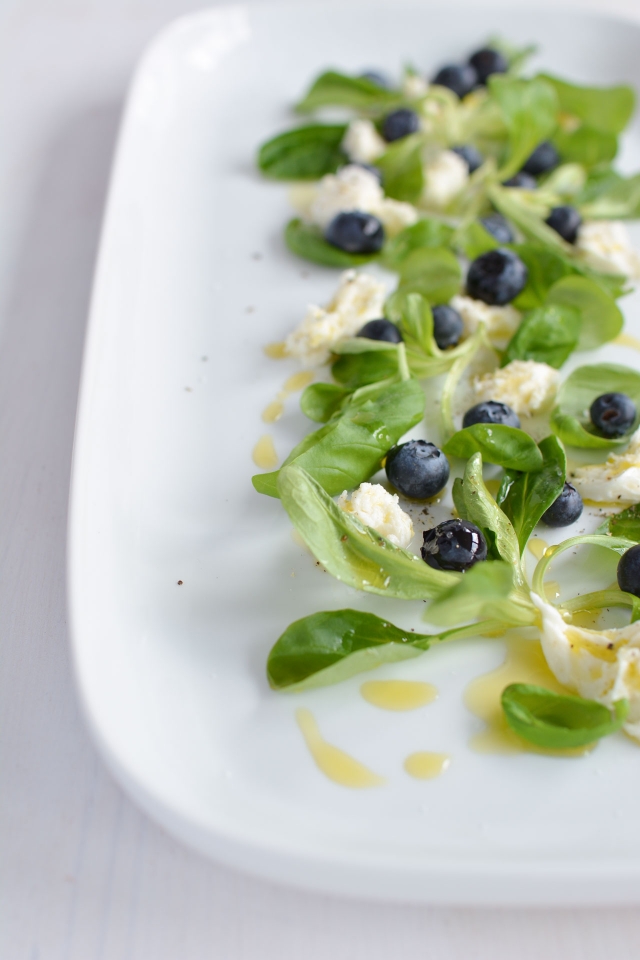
334	89
351	552
306	153
600	317
474	240
306	240
486	590
321	401
529	109
604	108
569	419
507	446
402	170
556	721
609	196
434	273
425	233
524	497
513	205
331	646
349	448
474	502
586	146
546	334
624	524
375	360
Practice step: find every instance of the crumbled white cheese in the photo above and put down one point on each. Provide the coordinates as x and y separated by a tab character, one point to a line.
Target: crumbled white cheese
602	665
445	177
362	143
351	188
359	297
524	385
605	246
396	215
377	508
414	86
615	481
500	322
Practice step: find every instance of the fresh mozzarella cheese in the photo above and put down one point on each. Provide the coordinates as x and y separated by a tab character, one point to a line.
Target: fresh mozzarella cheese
396	215
352	188
500	322
525	385
605	246
359	297
414	86
446	176
615	481
376	508
362	143
602	665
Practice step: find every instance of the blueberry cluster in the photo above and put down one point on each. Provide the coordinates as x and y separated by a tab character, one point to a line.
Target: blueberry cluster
462	78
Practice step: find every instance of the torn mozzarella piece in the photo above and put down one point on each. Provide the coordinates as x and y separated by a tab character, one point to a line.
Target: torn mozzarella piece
362	143
602	665
605	246
524	385
396	215
446	176
351	188
500	322
414	86
617	480
375	507
359	297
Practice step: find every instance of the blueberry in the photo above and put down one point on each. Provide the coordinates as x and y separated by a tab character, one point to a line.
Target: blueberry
381	329
565	510
523	180
629	571
355	232
447	326
400	124
496	277
498	227
491	411
565	221
461	78
417	469
454	545
613	414
472	157
374	76
488	61
544	159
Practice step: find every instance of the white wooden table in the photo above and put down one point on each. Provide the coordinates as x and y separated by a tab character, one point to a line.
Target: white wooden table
85	875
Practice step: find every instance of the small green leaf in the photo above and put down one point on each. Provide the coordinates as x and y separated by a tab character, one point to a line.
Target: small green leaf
601	318
529	109
486	590
351	552
604	108
320	401
556	721
586	146
334	89
402	170
524	497
507	446
608	196
547	335
306	153
624	524
529	220
425	233
306	240
569	419
434	273
366	366
331	646
474	240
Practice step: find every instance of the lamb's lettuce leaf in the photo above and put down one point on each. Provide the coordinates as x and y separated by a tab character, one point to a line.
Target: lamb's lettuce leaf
306	153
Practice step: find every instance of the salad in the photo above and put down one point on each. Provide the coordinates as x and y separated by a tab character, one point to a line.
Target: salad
478	222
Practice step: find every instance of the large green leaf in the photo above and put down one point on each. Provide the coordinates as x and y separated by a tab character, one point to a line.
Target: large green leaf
601	318
507	446
524	497
604	108
547	334
557	721
306	153
569	419
334	89
529	109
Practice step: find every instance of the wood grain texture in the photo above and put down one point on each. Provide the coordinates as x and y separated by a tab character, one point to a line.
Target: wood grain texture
84	875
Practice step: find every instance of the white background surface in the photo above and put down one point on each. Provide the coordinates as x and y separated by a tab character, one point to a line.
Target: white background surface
84	875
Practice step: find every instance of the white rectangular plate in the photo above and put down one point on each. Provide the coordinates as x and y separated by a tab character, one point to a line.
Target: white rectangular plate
172	677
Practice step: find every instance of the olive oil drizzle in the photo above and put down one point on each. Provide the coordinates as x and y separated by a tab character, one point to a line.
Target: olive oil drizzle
337	765
398	695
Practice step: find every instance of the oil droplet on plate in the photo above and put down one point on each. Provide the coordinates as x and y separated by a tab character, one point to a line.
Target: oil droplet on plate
427	766
537	547
264	453
626	340
398	694
297	381
586	618
333	762
277	351
273	411
524	663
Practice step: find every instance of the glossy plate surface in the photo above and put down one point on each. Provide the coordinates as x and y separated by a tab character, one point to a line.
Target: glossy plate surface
192	281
